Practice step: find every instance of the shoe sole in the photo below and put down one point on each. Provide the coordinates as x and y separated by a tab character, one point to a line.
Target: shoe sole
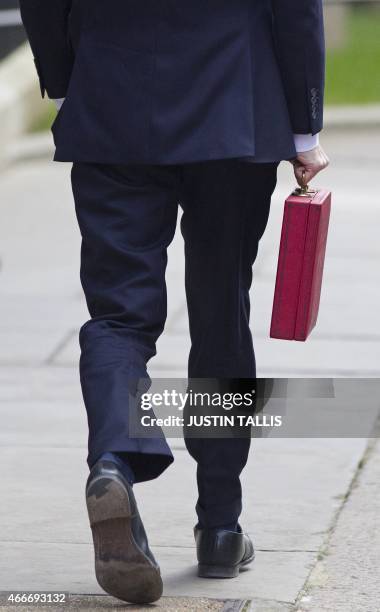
219	571
122	568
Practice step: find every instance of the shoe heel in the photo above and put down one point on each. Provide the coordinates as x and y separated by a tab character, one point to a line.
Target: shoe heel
122	569
217	571
107	500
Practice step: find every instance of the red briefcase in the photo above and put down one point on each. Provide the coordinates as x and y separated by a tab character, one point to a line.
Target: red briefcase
300	264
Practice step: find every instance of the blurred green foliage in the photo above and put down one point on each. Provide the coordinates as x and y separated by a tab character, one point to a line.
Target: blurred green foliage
45	121
353	72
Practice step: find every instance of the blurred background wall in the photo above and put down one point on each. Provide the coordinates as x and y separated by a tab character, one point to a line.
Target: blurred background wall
11	32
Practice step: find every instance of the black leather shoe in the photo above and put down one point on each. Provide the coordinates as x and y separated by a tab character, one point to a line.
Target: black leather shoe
221	553
124	565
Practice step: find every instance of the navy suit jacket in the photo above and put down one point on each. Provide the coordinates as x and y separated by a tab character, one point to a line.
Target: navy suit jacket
177	81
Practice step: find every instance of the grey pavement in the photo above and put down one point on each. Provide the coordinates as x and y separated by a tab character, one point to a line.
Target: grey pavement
346	576
295	503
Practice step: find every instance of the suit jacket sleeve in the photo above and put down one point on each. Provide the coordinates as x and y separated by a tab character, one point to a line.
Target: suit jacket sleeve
300	43
46	24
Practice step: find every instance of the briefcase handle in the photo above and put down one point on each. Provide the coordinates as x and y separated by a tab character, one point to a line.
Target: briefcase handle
304	192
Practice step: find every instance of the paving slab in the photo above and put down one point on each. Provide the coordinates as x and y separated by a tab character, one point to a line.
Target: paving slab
50	423
39	383
46	224
28	346
39	237
278	576
293	488
46	527
41	311
346	577
103	602
315	358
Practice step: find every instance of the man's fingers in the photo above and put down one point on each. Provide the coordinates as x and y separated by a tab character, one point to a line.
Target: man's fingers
303	175
308	164
299	173
306	174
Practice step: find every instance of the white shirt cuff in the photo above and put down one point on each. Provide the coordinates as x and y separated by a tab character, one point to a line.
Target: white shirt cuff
59	102
305	142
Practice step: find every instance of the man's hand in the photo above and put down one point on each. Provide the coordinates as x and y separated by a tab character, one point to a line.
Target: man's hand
308	164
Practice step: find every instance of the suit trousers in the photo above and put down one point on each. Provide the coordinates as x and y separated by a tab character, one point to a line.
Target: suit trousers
127	216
